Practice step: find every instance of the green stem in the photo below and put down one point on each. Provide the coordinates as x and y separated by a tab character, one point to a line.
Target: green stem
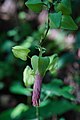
29	57
40	54
46	97
43	39
37	113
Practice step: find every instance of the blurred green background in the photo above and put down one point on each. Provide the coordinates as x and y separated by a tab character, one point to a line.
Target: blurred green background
60	96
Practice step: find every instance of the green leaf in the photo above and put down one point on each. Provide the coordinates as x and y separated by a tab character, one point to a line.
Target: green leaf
69	89
53	63
67	95
55	19
57	82
43	63
18	110
34	5
34	63
68	23
55	88
54	107
28	76
20	52
64	6
14	113
6	115
17	88
65	59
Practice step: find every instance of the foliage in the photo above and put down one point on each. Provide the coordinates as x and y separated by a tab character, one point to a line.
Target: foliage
55	58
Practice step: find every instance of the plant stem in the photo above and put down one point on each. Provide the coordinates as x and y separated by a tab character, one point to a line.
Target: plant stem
29	57
43	39
46	97
37	112
40	54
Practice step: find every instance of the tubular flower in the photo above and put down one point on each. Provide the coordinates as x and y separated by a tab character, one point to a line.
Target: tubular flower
36	90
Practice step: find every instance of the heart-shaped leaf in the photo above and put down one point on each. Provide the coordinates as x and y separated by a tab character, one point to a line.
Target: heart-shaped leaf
34	63
20	52
55	19
28	76
68	23
34	5
53	63
43	63
64	6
